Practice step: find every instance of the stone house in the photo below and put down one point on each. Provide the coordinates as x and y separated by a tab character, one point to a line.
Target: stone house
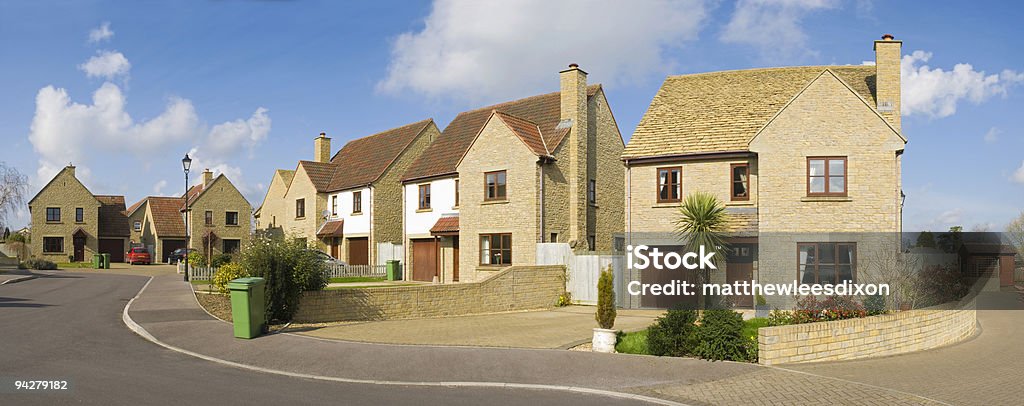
220	220
807	161
296	199
502	178
71	223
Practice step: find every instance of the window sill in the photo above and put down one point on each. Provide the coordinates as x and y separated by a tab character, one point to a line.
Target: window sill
594	205
492	268
488	202
356	213
301	218
53	253
53	222
231	225
826	199
427	210
665	205
740	203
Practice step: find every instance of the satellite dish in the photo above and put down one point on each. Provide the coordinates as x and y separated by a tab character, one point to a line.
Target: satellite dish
326	214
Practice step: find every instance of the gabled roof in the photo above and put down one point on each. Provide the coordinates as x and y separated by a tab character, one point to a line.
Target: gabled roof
131	209
721	111
530	133
332	229
286	175
363	161
443	155
166	216
446	225
66	168
319	173
113	222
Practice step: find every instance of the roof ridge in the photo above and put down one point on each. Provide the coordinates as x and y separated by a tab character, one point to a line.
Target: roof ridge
424	122
501	104
766	68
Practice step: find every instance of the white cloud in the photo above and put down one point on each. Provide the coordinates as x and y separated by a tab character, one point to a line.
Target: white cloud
1018	175
101	33
992	135
227	137
159	187
936	92
493	50
772	26
106	64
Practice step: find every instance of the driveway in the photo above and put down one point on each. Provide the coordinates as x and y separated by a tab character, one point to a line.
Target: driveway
559	328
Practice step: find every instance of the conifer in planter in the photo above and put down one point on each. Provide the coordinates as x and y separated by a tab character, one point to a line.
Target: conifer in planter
604	337
761	308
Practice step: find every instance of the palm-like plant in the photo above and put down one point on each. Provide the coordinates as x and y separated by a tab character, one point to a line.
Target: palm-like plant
702	220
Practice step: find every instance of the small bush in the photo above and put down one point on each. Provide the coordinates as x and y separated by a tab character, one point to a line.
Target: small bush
195	258
874	305
39	264
632	343
720	336
760	300
606	299
564	299
673	334
22	265
940	284
220	260
288	267
809	309
227	273
780	318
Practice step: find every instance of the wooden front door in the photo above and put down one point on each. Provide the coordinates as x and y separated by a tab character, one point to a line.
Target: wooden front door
359	251
79	243
665	276
335	247
455	259
424	260
740	267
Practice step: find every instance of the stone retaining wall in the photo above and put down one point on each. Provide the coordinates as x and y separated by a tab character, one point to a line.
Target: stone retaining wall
874	336
514	288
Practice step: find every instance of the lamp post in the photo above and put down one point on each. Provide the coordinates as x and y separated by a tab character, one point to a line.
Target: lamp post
186	163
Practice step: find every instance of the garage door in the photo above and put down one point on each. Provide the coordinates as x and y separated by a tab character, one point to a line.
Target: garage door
168	247
358	251
114	247
424	260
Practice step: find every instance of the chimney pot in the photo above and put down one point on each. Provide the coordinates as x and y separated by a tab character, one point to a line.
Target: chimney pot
888	37
573	65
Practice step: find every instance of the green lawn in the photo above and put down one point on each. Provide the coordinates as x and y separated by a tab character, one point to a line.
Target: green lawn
636	342
368	287
355	279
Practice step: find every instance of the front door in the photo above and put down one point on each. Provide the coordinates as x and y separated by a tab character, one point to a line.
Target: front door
359	251
79	243
455	259
424	259
739	267
335	246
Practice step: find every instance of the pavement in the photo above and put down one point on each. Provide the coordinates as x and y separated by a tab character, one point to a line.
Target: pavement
557	328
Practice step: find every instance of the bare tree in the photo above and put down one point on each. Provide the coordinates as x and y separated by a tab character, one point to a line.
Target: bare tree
13	190
899	271
1015	233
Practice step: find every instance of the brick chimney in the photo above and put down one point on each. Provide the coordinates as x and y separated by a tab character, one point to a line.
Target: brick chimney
574	112
887	78
322	148
207	177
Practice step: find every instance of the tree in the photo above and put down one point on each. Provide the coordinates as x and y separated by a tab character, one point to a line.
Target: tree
702	220
605	315
926	239
13	189
950	242
1015	233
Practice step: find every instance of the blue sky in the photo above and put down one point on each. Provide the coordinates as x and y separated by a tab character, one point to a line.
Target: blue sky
125	89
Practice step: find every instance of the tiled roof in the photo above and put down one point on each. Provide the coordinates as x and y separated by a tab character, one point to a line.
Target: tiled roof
721	111
135	206
320	173
364	160
446	225
112	219
527	131
444	154
332	229
167	220
286	175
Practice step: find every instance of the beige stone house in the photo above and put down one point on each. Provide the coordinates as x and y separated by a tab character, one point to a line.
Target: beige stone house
502	178
70	223
348	204
220	220
806	159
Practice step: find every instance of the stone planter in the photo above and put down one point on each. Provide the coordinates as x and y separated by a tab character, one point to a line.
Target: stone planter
762	310
604	340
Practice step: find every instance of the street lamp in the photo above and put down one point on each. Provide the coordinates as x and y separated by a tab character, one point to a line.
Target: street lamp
186	163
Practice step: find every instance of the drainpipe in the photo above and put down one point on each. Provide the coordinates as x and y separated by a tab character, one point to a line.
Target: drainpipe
629	204
541	200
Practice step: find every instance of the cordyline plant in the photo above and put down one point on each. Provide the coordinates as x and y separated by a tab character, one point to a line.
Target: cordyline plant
702	221
605	299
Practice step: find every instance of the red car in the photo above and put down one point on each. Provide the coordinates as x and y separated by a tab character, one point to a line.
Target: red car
138	256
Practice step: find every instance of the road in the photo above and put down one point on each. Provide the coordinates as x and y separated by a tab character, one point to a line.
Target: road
67	326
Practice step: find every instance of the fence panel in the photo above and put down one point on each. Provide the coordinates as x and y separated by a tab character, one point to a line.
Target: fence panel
348	271
582	271
1018	275
201	273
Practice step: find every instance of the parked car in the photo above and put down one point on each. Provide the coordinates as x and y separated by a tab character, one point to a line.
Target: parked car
329	259
138	255
178	255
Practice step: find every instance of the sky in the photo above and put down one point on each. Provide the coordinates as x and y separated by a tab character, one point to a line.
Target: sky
123	90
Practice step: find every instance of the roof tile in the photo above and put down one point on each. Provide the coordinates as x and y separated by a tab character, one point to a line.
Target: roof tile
363	161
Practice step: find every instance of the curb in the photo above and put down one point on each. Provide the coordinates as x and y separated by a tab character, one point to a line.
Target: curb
141	331
20	279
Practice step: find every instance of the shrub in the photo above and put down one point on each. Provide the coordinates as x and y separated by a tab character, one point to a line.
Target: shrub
195	258
673	334
606	299
940	284
874	305
39	264
720	336
228	273
780	318
809	309
289	268
564	299
760	300
220	260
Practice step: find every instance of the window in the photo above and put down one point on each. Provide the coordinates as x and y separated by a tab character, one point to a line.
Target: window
495	249
137	226
591	242
53	214
209	217
357	202
53	244
424	197
231	218
334	205
826	176
300	208
231	246
495	184
456	193
740	181
592	192
669	185
79	215
826	263
554	237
